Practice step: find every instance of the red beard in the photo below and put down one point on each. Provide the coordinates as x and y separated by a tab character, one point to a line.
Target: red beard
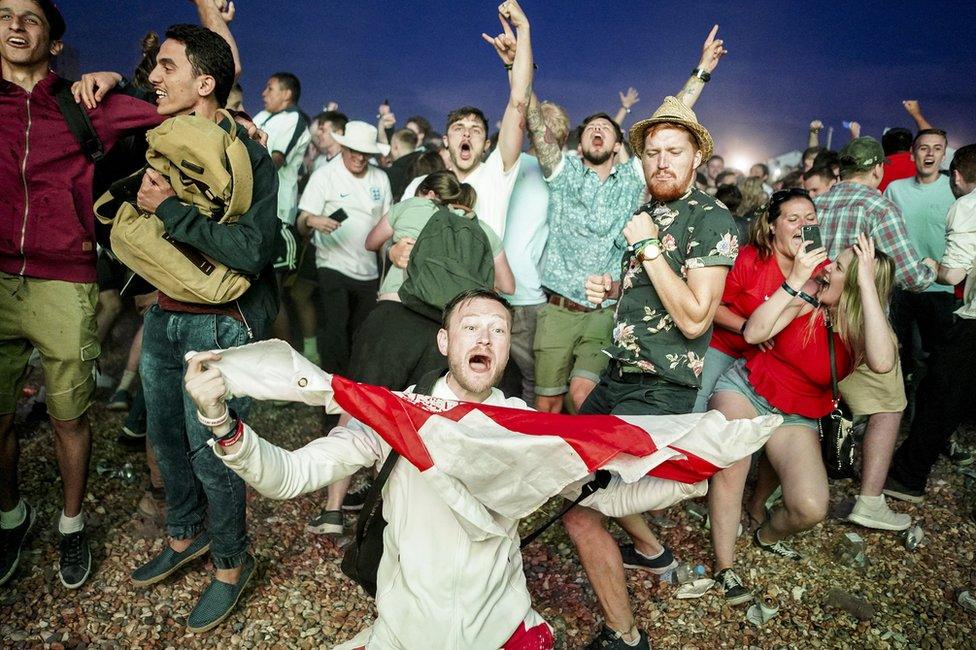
667	189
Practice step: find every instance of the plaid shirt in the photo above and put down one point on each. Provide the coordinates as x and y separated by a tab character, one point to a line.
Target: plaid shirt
849	209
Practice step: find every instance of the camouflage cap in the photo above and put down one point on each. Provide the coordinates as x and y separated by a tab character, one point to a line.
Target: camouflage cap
861	154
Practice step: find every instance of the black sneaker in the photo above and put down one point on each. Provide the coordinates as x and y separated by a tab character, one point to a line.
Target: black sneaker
11	541
131	439
356	499
608	639
327	522
959	455
635	560
779	548
75	563
120	401
731	584
896	490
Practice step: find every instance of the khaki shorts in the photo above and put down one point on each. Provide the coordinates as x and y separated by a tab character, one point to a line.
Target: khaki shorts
569	344
867	393
57	318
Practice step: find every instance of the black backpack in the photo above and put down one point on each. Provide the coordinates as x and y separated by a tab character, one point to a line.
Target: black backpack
452	254
124	159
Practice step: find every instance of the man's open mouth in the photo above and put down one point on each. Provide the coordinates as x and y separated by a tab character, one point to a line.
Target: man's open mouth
480	362
598	141
17	41
465	150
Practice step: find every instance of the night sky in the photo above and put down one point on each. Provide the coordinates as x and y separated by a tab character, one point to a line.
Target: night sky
788	62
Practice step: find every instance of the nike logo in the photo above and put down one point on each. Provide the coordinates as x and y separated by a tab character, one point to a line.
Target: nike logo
342	196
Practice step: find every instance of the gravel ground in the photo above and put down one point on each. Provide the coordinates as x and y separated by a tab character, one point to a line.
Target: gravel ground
299	598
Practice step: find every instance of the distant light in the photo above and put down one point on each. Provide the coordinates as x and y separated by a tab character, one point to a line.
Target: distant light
741	162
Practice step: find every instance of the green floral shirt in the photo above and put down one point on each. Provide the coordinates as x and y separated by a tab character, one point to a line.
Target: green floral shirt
695	231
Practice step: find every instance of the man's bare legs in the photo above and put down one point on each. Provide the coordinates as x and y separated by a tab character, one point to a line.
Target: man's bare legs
579	389
644	540
600	557
72	445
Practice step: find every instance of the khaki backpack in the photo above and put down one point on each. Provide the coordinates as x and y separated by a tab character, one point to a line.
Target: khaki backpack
208	168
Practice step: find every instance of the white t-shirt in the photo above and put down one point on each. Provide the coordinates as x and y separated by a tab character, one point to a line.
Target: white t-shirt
280	128
494	187
365	200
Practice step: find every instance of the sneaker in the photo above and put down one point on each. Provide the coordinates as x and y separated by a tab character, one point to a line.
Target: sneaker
634	559
130	439
731	584
11	541
966	600
164	564
327	522
608	639
120	401
896	490
959	455
356	499
779	548
219	599
876	514
75	564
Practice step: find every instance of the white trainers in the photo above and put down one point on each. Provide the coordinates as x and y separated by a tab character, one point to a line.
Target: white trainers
873	512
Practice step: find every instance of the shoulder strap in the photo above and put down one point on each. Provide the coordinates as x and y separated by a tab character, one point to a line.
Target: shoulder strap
601	479
300	126
372	501
834	388
78	122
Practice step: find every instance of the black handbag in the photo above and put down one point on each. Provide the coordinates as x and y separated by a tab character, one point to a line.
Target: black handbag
836	430
362	558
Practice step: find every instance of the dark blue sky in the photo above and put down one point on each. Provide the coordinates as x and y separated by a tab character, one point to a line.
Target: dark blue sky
788	62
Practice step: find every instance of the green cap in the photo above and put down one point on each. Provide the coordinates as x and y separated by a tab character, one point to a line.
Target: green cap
861	153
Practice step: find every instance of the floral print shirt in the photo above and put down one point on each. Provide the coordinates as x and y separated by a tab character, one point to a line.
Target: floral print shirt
695	231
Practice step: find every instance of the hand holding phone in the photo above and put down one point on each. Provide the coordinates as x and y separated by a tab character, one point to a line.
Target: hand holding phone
339	215
812	235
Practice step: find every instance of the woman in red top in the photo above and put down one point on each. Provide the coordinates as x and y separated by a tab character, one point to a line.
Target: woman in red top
792	379
759	270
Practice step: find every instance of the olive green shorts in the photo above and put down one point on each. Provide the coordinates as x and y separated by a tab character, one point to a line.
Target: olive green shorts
569	344
58	319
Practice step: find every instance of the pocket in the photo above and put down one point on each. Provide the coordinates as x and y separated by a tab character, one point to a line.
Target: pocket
55	228
228	332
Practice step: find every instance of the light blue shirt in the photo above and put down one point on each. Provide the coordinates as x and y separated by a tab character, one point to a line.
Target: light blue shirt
925	208
527	232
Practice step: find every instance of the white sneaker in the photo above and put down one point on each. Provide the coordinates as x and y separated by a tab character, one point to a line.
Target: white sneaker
873	512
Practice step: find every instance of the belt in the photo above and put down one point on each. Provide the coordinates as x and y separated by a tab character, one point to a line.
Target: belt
566	303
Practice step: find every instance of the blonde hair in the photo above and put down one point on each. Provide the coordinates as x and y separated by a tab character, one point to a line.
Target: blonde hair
849	318
556	120
753	196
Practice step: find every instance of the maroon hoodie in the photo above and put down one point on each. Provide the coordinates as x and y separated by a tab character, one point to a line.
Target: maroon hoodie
47	227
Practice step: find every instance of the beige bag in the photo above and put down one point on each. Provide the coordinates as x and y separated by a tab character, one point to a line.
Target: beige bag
208	168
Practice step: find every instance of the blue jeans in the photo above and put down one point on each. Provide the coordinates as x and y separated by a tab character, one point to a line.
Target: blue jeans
174	430
716	363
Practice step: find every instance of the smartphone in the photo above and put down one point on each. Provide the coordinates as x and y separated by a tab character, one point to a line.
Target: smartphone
812	234
339	215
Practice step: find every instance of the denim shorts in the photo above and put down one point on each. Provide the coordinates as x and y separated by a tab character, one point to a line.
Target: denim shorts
736	380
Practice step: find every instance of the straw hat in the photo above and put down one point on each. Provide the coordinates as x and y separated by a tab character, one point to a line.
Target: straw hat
673	111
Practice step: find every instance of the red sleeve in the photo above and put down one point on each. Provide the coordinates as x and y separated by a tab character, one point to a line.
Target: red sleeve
734	282
117	114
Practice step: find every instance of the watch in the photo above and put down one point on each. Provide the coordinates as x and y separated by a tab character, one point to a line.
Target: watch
651	250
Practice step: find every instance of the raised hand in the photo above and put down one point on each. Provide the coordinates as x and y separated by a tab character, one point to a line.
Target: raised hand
912	107
93	86
805	262
511	10
712	51
866	264
505	43
639	228
816	125
855	130
628	99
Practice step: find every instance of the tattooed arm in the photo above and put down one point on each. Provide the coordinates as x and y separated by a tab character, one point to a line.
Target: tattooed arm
712	51
547	149
512	131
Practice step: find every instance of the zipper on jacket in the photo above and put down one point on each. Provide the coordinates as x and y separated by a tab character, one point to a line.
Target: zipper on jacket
250	334
23	175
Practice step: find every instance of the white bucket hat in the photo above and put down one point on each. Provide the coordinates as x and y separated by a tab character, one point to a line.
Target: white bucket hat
360	136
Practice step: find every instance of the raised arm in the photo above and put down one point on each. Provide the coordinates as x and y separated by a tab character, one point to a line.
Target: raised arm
512	131
913	109
385	120
712	51
813	139
216	16
879	340
627	101
781	308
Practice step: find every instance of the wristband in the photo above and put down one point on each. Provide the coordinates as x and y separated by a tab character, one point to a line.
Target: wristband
698	73
808	298
644	242
742	329
233	436
790	290
508	66
213	422
626	109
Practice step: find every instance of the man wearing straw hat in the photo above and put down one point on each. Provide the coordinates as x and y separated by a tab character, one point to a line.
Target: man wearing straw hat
681	245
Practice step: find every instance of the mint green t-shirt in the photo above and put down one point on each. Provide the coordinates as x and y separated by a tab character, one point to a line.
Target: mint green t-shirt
408	218
924	208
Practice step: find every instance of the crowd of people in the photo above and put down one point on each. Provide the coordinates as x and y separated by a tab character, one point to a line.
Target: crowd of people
623	272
